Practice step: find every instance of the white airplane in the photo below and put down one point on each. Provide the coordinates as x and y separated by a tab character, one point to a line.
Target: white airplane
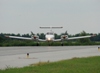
49	36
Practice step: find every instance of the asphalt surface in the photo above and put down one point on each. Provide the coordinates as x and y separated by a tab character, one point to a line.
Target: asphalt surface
17	56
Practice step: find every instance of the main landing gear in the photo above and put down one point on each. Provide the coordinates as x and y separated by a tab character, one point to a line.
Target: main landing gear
37	44
62	44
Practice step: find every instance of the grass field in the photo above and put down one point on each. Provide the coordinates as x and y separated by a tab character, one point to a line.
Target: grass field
75	65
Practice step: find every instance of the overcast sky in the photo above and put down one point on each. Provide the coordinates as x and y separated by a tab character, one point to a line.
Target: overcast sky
23	16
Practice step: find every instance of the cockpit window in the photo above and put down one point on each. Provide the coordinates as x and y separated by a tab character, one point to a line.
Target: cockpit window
49	33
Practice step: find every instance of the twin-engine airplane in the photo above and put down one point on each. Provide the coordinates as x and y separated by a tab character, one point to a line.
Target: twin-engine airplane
49	36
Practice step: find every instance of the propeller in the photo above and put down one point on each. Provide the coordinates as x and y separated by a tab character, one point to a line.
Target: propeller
66	33
32	33
34	36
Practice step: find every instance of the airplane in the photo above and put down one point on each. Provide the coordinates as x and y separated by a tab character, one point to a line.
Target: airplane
49	36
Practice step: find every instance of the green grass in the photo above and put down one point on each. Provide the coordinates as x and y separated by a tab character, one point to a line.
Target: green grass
75	65
32	43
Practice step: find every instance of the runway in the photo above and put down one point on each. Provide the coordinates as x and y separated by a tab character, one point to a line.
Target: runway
17	56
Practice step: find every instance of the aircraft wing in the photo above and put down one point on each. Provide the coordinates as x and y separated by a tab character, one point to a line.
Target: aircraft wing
81	37
56	40
23	38
16	37
72	38
41	40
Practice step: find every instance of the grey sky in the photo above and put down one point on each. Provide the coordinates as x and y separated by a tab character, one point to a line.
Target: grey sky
23	16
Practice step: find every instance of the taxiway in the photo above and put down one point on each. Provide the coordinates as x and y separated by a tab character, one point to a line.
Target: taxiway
17	56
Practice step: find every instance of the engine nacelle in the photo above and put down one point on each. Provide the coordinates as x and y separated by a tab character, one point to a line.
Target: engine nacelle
35	37
64	37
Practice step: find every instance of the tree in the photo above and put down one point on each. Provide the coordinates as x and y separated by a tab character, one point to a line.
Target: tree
25	35
18	34
56	36
1	37
42	36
